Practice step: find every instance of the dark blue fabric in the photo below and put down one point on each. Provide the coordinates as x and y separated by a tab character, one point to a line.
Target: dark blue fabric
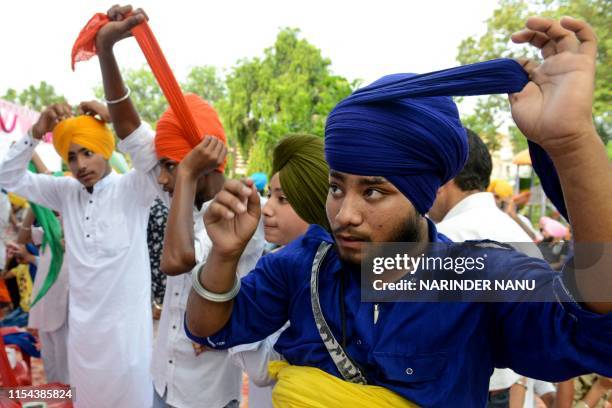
545	169
25	341
32	249
451	348
406	128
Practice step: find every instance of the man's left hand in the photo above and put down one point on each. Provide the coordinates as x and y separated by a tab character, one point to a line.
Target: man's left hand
554	109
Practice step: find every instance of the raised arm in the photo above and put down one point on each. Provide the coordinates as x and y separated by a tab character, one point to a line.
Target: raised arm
231	221
554	110
123	114
179	253
14	175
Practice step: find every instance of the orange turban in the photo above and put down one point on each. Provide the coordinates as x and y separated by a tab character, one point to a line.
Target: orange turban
170	139
85	131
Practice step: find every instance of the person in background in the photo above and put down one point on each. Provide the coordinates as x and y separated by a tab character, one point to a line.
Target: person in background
296	199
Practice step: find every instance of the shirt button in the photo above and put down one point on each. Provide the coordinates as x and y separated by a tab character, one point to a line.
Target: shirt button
409	371
176	294
90	202
87	235
170	361
174	327
86	218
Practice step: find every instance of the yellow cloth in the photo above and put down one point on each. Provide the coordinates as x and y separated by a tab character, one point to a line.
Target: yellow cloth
85	131
500	187
24	283
309	387
18	201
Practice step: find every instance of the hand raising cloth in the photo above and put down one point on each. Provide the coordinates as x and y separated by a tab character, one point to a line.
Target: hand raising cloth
554	110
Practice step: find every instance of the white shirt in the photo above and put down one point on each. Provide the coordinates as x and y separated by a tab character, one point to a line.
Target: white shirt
478	217
110	331
5	214
254	358
211	379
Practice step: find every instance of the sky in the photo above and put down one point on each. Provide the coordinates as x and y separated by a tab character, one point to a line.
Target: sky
363	39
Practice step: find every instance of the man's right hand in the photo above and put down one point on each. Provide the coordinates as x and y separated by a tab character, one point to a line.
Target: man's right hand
232	217
119	27
50	117
208	155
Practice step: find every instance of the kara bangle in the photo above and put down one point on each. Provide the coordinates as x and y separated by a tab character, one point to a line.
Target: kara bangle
123	98
211	296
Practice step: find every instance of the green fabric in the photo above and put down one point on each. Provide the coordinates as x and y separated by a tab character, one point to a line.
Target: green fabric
118	162
52	237
304	176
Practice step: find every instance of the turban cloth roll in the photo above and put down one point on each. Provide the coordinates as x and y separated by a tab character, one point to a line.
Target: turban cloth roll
170	138
85	131
406	128
304	176
186	113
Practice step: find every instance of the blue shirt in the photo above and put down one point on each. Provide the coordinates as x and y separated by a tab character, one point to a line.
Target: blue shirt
430	353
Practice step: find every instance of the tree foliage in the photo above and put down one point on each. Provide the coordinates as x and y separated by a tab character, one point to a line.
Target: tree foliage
148	98
290	89
205	81
34	97
146	95
509	17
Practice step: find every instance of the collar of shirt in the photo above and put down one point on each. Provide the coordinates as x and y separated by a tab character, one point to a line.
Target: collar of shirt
473	201
103	182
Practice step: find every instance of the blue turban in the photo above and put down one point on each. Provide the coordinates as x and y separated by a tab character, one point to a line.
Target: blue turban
260	180
406	127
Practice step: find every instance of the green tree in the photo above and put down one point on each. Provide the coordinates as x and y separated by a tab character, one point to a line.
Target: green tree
509	17
146	93
34	97
290	89
205	81
149	99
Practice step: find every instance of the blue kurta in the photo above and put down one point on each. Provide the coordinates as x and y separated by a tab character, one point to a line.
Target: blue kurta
430	353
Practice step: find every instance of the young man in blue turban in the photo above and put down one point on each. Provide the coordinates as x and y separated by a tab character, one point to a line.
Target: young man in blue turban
389	147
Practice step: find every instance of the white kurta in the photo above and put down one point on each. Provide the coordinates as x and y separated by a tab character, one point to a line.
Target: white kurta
110	330
5	213
254	358
210	379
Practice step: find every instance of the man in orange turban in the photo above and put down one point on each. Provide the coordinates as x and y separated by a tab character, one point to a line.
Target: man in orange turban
189	172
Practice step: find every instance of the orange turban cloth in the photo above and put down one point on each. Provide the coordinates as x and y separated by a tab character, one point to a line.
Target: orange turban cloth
170	139
85	131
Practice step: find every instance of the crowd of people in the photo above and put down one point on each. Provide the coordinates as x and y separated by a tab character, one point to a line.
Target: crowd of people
162	286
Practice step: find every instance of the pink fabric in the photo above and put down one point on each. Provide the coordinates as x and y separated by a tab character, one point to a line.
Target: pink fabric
13	113
553	228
